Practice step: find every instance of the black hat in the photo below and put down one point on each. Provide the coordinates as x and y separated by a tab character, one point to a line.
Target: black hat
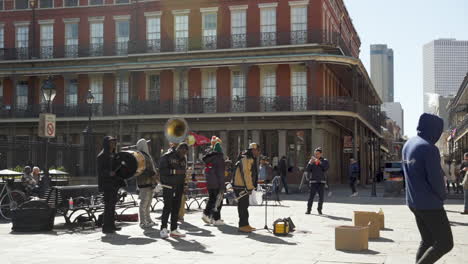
182	145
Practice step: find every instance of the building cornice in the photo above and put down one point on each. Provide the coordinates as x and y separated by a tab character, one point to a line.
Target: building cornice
46	21
71	20
96	19
181	12
209	9
123	17
299	3
22	23
153	14
238	7
268	5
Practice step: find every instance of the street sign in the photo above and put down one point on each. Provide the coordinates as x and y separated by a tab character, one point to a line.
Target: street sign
46	125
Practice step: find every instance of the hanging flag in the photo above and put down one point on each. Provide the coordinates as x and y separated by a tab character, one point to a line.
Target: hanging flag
199	139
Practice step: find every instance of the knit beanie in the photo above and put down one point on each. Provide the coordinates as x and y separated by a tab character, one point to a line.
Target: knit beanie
217	148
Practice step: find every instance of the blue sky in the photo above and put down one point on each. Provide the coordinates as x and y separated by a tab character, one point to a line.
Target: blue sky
406	25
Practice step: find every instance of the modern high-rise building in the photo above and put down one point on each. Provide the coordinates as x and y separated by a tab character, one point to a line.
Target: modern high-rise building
382	71
395	112
445	64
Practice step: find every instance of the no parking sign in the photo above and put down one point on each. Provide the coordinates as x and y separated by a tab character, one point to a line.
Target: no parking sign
46	125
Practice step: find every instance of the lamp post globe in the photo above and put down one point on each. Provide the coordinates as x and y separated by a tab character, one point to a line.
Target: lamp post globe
89	98
49	92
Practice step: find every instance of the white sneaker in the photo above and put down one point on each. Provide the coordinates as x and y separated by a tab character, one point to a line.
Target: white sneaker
206	219
177	233
151	223
354	194
219	222
143	225
164	233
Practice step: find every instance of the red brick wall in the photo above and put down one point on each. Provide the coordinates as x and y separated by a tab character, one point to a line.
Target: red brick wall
108	83
167	85
8	91
195	24
283	21
253	81
83	32
195	82
139	84
253	21
59	39
224	26
109	35
223	85
60	86
33	90
314	18
83	87
283	80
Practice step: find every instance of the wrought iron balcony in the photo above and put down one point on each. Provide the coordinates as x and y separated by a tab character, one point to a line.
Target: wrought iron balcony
47	52
103	48
207	105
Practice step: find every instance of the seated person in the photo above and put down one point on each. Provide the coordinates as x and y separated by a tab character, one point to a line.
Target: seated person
30	185
36	174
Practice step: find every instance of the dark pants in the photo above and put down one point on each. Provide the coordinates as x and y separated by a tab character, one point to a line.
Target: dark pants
243	209
210	205
314	188
285	184
436	235
110	199
172	199
352	184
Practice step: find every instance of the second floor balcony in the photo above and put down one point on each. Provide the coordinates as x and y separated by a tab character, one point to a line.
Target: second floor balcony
104	47
200	106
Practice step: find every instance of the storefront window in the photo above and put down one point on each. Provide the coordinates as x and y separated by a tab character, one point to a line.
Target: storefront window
298	148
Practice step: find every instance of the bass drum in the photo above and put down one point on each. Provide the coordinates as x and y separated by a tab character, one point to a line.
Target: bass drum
129	164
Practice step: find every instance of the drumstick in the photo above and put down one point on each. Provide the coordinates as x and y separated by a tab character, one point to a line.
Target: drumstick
166	186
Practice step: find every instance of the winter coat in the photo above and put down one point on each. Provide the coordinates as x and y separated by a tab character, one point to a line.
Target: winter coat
105	158
172	168
250	173
316	172
425	187
214	170
149	177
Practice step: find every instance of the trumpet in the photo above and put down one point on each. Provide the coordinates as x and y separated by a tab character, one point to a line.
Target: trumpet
176	130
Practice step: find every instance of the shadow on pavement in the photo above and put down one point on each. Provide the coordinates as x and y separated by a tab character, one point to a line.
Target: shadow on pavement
381	239
230	230
336	218
195	230
122	240
453	223
270	239
364	252
187	245
51	233
387	229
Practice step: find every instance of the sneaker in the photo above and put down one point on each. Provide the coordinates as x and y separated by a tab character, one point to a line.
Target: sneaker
465	212
151	223
354	194
307	212
164	233
319	211
218	222
177	233
206	219
143	225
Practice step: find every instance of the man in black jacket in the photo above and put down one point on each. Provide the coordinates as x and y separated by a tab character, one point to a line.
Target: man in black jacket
108	183
172	168
316	169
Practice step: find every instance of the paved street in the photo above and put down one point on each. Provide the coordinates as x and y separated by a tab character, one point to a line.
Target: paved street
313	242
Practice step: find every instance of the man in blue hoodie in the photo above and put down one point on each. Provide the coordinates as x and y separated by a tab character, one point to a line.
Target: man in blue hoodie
425	190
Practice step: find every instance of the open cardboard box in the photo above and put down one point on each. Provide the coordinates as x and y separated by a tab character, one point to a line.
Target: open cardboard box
370	219
354	238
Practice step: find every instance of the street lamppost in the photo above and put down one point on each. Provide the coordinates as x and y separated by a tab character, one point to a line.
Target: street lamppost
49	92
88	130
32	3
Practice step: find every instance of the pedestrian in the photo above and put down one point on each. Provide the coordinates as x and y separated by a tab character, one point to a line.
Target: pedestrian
454	170
464	174
146	182
283	169
316	169
214	173
354	173
36	174
425	189
445	164
29	183
172	168
262	171
245	181
108	183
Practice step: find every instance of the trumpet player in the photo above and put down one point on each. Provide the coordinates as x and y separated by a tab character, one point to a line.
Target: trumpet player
172	168
245	180
214	173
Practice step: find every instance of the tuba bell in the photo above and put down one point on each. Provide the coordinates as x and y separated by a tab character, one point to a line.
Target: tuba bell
176	130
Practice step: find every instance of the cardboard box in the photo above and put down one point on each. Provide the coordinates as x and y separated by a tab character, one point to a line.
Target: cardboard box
381	219
355	238
370	219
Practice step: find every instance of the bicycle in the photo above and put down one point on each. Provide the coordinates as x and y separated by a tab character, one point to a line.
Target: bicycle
10	199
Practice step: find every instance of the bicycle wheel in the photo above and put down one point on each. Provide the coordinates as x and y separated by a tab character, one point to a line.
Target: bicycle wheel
9	202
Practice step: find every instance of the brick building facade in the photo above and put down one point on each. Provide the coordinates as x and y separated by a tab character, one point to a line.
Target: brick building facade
282	73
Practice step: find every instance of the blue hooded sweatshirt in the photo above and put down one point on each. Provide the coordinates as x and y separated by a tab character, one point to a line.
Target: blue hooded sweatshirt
425	189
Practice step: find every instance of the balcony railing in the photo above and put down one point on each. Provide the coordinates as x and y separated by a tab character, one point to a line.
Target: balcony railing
267	39
206	105
47	52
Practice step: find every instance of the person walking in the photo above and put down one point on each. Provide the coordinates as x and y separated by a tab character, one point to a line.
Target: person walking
146	182
172	168
245	181
316	169
425	189
283	169
464	174
214	173
354	172
108	183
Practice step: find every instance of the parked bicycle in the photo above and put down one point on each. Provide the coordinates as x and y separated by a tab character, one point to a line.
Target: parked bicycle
10	198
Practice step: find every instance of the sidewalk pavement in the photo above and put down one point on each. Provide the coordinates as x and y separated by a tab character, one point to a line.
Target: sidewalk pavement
313	242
